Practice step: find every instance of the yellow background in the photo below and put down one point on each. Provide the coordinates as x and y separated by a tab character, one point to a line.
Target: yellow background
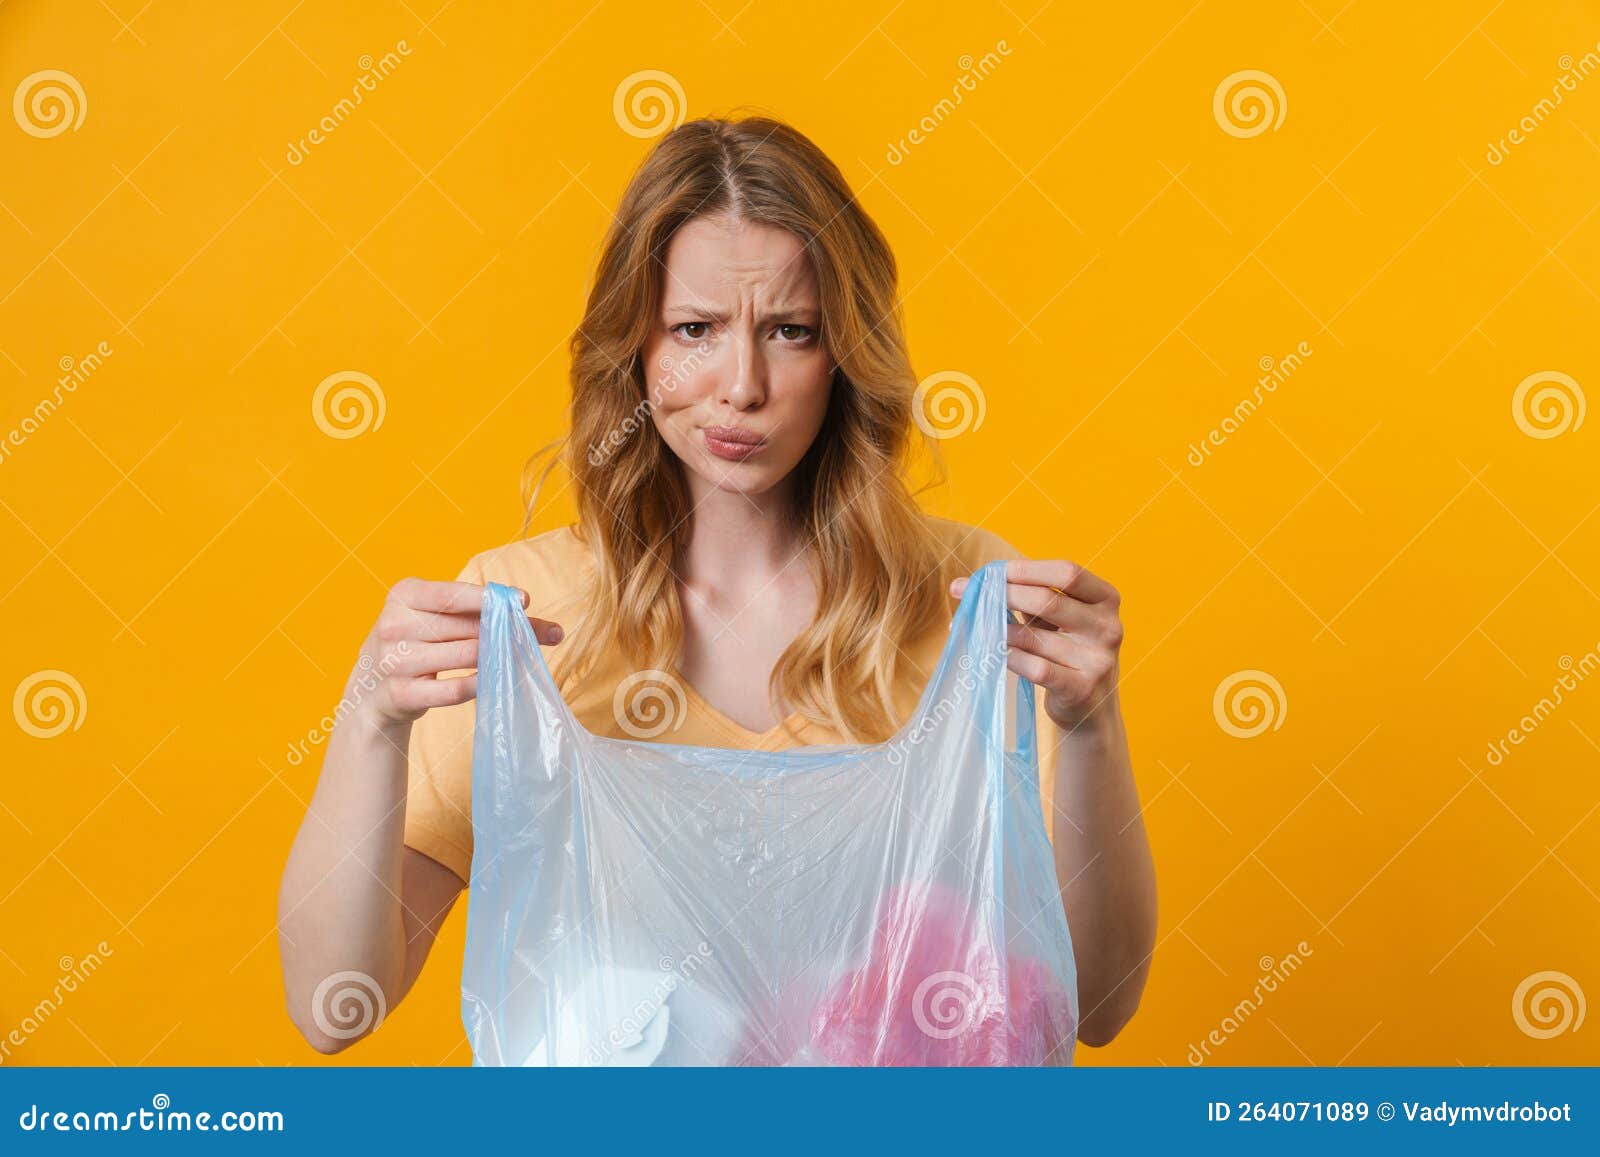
1079	235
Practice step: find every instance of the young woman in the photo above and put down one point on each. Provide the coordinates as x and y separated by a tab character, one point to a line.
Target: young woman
740	428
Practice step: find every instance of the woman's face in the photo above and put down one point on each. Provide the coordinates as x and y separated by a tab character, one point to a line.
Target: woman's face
738	375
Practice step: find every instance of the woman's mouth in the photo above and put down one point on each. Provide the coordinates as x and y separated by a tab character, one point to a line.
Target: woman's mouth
732	442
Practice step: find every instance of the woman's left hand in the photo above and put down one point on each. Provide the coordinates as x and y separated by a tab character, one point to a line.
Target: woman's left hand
1068	640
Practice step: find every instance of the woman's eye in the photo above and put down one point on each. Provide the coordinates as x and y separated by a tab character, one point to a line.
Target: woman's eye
682	329
794	332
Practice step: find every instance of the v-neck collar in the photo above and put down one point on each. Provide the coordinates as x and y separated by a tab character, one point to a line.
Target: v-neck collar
754	740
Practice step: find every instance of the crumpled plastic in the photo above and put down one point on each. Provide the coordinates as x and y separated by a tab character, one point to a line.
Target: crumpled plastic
643	903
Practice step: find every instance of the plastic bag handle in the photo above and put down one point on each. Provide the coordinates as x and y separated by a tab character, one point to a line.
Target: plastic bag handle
987	620
978	639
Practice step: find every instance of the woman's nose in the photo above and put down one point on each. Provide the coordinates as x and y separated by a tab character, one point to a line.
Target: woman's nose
743	383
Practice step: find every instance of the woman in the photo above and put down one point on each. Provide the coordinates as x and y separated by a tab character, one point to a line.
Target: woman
741	421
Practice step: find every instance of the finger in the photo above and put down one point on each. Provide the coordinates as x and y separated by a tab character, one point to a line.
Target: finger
547	632
1071	668
425	694
445	598
1034	668
425	627
465	599
428	659
1050	609
1063	575
1055	647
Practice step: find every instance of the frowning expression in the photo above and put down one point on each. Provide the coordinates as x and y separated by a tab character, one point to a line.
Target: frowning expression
738	376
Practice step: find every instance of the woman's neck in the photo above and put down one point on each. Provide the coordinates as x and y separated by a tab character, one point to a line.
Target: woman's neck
740	540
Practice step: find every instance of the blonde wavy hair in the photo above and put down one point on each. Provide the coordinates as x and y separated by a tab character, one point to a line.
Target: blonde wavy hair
876	563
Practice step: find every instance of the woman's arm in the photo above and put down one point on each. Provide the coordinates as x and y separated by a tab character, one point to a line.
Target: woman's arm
355	903
357	910
1107	875
1067	646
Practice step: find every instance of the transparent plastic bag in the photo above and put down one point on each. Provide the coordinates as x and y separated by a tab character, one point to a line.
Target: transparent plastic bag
638	903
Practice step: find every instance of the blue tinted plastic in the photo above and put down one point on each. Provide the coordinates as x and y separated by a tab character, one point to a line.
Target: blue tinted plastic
638	903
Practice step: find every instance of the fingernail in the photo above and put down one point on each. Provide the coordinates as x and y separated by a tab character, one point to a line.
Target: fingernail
557	634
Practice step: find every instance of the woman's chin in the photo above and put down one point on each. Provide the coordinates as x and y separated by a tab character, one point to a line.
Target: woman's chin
747	478
750	485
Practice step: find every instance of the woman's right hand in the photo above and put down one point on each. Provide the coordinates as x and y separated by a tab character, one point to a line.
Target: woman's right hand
425	629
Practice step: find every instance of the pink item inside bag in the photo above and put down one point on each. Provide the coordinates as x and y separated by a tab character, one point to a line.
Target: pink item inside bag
935	992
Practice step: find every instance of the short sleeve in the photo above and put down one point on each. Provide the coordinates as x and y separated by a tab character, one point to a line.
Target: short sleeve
439	776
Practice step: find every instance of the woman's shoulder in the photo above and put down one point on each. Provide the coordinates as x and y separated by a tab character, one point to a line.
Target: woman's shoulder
967	547
554	567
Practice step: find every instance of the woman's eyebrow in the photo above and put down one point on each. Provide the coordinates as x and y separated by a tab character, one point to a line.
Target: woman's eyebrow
801	311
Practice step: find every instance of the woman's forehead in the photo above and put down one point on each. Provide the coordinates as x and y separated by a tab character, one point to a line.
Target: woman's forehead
713	265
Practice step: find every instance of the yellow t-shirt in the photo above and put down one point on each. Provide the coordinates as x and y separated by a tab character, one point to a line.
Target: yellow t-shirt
557	571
